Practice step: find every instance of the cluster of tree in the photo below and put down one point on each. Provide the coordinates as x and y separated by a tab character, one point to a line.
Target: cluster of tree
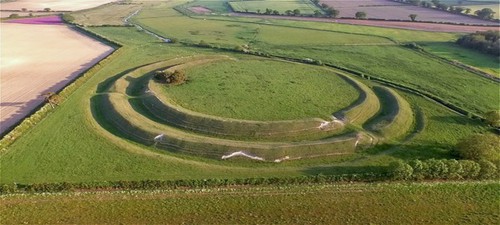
443	169
481	159
177	77
329	11
52	98
485	13
271	12
484	41
480	147
360	15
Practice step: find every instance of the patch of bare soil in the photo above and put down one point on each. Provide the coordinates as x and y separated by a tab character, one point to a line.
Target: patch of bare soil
199	10
30	67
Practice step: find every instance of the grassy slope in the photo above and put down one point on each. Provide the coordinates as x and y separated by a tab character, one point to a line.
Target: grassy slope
102	16
452	51
410	68
449	203
263	90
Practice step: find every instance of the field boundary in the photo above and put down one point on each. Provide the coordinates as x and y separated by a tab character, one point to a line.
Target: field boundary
44	109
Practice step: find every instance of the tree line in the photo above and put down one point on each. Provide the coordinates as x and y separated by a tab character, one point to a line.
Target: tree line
483	41
485	13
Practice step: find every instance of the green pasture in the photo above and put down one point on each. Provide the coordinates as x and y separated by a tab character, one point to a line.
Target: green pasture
216	6
262	90
452	51
411	68
82	148
102	15
394	203
395	117
306	7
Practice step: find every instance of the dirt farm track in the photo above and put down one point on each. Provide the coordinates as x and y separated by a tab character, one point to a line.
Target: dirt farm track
30	68
435	27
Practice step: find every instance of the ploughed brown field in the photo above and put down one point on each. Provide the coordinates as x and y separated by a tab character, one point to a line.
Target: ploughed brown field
384	9
437	27
55	5
44	61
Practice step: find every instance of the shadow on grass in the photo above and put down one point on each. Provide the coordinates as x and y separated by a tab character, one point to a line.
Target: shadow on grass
338	170
108	83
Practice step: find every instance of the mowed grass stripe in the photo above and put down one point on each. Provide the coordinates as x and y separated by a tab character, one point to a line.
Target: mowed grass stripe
137	127
135	84
395	117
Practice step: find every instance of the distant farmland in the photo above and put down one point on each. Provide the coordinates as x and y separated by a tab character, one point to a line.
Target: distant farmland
305	6
383	9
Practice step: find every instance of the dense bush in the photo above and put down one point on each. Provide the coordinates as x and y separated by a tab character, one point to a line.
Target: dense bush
175	78
483	41
480	147
442	169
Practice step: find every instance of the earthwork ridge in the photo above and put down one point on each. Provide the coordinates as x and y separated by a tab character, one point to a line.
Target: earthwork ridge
133	108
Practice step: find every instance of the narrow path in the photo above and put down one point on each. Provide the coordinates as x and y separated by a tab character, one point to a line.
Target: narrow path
127	22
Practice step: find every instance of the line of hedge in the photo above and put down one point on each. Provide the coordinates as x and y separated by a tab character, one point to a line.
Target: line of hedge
431	169
448	169
187	183
39	113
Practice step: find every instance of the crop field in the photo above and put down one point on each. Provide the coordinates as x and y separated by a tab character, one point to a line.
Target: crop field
305	6
40	5
455	203
102	16
476	5
73	52
266	102
379	9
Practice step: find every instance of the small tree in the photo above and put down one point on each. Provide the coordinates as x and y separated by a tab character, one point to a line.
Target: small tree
52	98
175	78
485	13
24	9
317	13
413	17
296	12
360	15
399	170
289	12
14	15
467	11
480	146
493	118
488	170
331	12
276	12
47	9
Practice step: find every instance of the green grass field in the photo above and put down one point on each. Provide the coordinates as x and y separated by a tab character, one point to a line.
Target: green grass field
102	16
306	7
262	90
95	134
397	203
410	68
476	59
80	136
